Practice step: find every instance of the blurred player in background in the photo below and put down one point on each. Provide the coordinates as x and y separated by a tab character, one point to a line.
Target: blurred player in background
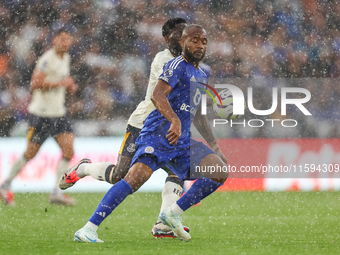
172	32
49	83
165	139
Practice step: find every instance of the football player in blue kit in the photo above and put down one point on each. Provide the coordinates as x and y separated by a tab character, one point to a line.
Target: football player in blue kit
106	171
165	140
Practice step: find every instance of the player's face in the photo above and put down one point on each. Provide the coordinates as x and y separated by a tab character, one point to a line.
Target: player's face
195	45
174	36
63	42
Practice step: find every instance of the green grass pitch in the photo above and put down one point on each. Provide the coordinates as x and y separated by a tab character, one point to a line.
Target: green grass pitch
225	223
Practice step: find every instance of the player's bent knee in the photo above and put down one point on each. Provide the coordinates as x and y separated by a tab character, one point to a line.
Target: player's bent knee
67	151
225	175
29	156
121	169
68	154
219	180
32	150
138	174
213	167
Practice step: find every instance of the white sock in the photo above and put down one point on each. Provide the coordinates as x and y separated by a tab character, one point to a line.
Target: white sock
97	170
91	225
81	170
171	193
15	170
176	209
62	167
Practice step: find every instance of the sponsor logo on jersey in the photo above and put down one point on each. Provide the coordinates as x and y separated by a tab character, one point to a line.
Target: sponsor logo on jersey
187	108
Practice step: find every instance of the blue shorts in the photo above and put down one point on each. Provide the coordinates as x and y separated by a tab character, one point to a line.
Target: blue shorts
179	159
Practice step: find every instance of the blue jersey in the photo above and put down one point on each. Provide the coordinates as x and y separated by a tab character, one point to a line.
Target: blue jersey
185	98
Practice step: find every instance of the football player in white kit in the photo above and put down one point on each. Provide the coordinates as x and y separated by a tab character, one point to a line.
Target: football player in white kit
172	32
49	83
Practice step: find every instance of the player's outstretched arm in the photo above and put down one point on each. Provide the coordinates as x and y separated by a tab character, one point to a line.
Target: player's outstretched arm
38	81
162	104
203	127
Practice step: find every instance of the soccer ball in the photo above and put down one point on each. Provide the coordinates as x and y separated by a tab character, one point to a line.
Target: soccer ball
225	111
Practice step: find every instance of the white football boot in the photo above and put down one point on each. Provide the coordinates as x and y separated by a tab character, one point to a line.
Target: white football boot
174	221
87	235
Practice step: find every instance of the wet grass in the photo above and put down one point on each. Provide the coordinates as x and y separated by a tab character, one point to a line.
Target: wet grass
225	223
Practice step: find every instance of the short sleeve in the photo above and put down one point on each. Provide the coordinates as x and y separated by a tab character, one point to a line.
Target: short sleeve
158	68
173	72
42	64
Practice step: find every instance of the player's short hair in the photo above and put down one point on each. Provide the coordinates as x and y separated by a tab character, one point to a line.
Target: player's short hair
188	27
171	24
61	30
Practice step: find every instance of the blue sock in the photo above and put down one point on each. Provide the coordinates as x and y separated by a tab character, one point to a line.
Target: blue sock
201	188
110	201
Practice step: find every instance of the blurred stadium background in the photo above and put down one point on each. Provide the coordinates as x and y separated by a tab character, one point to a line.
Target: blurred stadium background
267	42
116	40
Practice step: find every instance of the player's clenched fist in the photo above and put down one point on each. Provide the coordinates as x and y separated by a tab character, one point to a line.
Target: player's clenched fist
69	84
175	131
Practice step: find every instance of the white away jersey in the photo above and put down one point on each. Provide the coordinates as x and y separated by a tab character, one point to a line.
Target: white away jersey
145	107
50	103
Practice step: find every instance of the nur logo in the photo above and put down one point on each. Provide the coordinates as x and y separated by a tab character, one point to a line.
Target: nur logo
238	101
204	97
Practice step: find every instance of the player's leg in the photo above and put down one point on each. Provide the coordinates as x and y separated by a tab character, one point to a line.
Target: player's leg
104	171
126	152
36	135
172	191
203	156
186	187
5	192
202	187
65	141
84	168
31	150
117	173
138	174
146	160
